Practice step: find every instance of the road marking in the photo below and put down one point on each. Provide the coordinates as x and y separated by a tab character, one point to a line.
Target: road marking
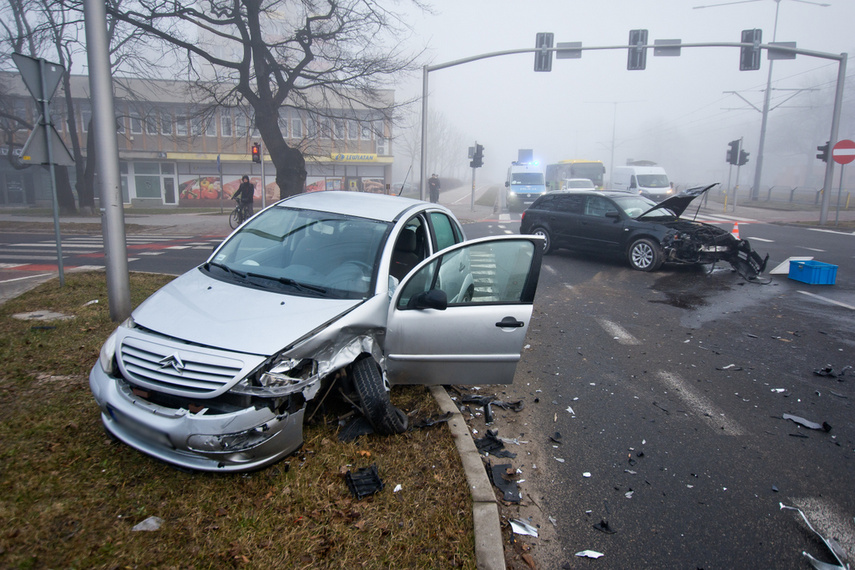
618	332
550	269
25	278
812	249
762	239
832	232
702	407
827	300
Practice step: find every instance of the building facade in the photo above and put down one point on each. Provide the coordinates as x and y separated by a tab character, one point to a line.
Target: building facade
174	152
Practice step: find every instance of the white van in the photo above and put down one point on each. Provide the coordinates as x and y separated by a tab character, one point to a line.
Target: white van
525	184
649	181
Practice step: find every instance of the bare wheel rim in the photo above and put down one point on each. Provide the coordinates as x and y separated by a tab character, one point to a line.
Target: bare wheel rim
642	255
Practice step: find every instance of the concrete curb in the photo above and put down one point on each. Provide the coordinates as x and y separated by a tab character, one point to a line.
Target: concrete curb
489	549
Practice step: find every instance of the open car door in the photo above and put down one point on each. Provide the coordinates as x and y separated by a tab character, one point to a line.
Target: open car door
477	338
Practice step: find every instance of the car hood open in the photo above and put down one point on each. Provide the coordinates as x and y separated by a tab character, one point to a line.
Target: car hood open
681	201
201	310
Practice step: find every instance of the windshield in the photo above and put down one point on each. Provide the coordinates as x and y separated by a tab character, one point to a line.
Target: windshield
527	178
634	206
653	181
305	252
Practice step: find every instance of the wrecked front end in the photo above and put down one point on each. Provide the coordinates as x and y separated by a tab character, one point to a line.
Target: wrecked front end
201	408
698	243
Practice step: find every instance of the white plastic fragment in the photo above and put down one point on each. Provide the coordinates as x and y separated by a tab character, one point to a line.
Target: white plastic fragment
558	459
570	409
586	474
628	495
522	527
92	302
779	390
831	546
149	524
590	554
398	487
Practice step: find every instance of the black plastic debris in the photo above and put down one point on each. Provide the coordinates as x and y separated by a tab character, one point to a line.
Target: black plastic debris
824	426
357	427
603	526
556	437
483	401
516	406
502	477
433	421
827	371
366	481
490	444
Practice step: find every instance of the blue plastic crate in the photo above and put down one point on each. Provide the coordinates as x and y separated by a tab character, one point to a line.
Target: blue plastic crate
813	272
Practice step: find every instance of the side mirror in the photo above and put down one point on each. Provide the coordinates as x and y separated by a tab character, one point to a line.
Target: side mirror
433	299
507	184
613	214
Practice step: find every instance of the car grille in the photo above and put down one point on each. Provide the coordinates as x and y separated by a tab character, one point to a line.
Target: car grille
177	369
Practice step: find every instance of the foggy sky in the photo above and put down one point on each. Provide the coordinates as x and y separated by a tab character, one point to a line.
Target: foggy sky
675	112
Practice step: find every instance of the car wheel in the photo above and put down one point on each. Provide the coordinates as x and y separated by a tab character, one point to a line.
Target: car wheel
645	255
385	418
544	233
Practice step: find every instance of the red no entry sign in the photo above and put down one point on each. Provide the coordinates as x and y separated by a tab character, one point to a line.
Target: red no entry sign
843	152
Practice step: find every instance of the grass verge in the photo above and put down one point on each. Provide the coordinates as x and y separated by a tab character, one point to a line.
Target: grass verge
69	495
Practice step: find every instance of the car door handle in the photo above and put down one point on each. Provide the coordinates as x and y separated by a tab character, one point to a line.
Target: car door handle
510	323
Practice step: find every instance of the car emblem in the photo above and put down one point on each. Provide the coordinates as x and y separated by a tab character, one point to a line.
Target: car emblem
172	360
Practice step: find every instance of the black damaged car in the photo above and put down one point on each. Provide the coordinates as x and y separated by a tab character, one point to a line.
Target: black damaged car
647	233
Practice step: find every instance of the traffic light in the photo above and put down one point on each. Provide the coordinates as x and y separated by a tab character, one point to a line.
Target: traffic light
637	58
478	157
749	57
733	152
743	158
543	58
256	152
823	151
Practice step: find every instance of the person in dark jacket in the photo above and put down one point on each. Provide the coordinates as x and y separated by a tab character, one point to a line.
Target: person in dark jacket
245	194
433	187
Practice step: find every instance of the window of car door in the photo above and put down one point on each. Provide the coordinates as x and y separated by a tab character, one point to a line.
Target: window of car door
445	231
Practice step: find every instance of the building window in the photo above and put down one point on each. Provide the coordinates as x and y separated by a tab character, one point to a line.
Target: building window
210	126
296	128
85	118
366	131
338	128
283	123
166	123
353	130
226	123
241	127
181	126
196	125
151	124
136	123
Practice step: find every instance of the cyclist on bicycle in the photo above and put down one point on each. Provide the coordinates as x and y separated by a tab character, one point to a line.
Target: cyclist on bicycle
244	195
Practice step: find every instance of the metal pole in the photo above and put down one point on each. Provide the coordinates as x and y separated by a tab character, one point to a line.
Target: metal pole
839	193
835	125
107	166
472	194
48	122
263	198
423	149
758	170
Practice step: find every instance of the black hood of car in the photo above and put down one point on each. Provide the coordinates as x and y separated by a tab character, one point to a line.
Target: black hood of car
680	202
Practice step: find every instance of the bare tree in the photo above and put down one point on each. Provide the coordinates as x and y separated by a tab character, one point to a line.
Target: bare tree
325	57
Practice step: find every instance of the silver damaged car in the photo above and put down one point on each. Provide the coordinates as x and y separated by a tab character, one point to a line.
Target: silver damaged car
215	371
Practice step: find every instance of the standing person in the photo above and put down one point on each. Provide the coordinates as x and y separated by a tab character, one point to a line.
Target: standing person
245	194
433	186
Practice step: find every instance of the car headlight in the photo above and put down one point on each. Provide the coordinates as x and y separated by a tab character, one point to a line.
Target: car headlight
107	357
284	378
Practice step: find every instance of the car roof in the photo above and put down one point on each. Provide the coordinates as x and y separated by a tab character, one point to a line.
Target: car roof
584	192
361	204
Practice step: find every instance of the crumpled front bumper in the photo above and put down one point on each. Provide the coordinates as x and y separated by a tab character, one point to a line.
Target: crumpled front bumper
243	440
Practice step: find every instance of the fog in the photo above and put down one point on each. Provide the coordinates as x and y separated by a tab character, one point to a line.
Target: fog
680	112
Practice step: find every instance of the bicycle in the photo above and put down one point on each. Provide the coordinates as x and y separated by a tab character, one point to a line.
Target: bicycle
238	215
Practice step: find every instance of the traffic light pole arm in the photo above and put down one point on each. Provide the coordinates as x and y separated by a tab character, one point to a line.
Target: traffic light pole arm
779	48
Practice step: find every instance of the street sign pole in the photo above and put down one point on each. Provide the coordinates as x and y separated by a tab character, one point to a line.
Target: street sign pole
842	153
47	132
839	192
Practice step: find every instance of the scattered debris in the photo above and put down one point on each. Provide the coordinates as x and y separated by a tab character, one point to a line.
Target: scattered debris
523	528
490	444
366	481
502	476
590	554
603	526
92	302
828	372
357	427
831	544
733	367
513	406
433	421
824	426
586	474
556	437
42	316
149	524
483	401
397	488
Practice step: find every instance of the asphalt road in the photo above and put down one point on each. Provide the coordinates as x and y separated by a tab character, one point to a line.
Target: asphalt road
667	393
